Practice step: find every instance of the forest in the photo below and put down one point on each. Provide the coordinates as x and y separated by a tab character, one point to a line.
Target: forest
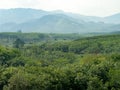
37	61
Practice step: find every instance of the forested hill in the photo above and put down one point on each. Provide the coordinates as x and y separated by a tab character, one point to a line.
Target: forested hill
96	44
83	64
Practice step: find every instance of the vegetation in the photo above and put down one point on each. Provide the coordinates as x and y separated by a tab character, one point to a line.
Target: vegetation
59	63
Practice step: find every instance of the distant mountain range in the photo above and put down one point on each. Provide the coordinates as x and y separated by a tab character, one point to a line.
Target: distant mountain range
32	20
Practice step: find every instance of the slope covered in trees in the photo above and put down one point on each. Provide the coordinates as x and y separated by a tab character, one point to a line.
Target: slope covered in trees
81	64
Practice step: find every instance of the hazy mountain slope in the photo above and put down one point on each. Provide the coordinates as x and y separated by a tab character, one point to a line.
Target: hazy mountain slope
31	20
113	19
115	27
85	18
20	15
57	23
8	27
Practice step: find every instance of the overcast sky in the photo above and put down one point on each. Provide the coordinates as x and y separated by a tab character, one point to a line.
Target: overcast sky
84	7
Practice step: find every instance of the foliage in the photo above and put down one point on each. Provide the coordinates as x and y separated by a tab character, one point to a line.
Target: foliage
84	64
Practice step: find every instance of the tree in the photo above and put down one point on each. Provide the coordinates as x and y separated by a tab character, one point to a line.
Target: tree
18	43
18	81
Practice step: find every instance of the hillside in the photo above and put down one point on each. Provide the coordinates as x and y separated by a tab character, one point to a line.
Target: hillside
32	20
113	19
20	15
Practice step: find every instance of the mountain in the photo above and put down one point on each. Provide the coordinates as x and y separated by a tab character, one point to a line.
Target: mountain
53	23
84	18
113	19
20	15
32	20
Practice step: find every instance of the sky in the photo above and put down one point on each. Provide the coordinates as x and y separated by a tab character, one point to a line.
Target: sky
100	8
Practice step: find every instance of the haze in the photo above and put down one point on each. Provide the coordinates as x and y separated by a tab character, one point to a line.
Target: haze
85	7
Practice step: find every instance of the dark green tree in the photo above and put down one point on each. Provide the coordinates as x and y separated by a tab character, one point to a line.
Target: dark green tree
18	43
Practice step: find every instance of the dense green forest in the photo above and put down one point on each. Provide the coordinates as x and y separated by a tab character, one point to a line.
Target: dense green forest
34	61
8	38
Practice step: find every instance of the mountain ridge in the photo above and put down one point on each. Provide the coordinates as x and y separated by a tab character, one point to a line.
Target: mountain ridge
33	20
